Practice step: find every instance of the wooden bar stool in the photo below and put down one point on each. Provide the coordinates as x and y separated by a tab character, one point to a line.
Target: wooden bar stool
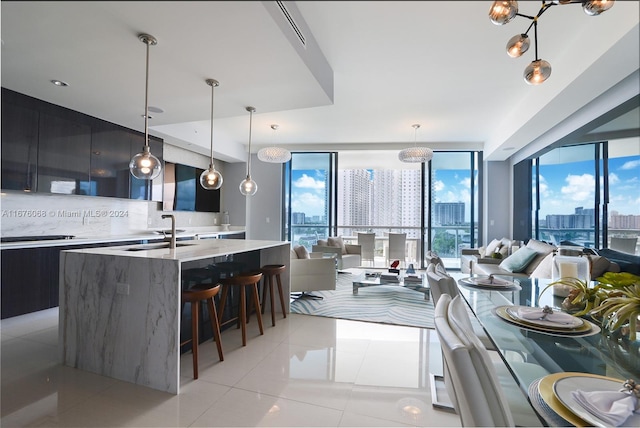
269	272
243	280
200	293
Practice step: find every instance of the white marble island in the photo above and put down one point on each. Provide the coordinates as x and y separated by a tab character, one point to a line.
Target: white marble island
120	306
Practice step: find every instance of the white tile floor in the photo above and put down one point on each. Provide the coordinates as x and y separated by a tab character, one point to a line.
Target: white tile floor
305	371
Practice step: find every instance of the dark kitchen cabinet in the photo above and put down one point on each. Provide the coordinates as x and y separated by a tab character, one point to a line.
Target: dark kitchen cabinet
110	156
19	146
64	155
51	149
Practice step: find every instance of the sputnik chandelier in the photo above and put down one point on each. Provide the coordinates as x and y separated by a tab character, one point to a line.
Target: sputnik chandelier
502	12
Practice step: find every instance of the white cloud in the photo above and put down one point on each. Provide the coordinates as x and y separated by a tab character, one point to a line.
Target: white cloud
466	182
306	182
579	188
631	164
308	203
613	178
438	185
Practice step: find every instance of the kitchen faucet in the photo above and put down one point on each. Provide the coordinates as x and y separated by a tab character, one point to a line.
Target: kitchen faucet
172	245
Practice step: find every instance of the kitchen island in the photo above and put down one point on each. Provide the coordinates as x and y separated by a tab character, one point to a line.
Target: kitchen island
120	306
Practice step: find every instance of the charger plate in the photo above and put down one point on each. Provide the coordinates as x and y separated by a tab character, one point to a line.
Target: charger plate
571	323
483	282
548	386
586	329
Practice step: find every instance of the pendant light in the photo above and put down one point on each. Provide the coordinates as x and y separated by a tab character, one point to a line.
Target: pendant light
274	154
248	187
503	12
144	165
211	179
415	154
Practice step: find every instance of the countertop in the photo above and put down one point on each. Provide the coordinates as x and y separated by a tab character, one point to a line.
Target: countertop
185	251
193	233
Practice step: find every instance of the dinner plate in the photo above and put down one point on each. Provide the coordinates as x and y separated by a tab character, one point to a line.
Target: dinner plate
545	388
586	329
485	282
563	387
570	323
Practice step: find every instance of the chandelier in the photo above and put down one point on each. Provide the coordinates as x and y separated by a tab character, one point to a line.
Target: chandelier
415	154
539	70
274	154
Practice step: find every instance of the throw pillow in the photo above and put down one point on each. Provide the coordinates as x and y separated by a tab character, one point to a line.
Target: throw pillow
491	248
518	261
302	252
323	243
337	242
599	265
542	248
543	270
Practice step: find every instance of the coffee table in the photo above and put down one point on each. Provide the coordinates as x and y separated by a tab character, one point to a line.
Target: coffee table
362	281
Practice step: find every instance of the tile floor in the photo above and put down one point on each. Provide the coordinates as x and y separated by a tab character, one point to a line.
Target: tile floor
305	371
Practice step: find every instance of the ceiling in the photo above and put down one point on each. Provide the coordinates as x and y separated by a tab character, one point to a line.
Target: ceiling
369	70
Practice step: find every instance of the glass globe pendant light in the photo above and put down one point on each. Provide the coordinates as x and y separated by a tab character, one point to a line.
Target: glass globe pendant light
415	154
502	12
517	45
144	165
248	187
537	72
596	7
211	179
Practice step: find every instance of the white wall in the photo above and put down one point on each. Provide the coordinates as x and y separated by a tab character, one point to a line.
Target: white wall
498	205
264	220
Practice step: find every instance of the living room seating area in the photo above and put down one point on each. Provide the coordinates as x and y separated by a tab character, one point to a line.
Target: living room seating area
347	255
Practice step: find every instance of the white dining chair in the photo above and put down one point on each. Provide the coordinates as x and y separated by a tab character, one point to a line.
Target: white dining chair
397	247
470	378
625	245
367	242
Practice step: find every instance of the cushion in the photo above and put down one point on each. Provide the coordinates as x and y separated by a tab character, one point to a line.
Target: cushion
301	252
323	242
337	242
599	265
542	248
544	268
518	261
491	248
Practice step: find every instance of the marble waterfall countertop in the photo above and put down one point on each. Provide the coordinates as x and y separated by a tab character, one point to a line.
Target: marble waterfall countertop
143	235
120	307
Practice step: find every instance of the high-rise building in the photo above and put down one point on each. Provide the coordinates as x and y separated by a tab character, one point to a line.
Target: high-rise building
448	213
297	218
355	207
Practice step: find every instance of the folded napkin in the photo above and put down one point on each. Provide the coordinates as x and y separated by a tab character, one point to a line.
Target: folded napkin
492	281
612	407
555	317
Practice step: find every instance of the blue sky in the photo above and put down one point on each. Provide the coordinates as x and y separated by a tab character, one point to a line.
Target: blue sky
308	192
562	191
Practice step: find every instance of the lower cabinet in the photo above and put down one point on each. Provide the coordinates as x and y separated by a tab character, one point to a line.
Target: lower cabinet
30	277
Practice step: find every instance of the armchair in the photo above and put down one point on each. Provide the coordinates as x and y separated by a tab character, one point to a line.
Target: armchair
312	274
347	255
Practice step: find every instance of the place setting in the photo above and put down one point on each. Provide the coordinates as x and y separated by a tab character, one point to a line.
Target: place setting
546	320
489	282
584	399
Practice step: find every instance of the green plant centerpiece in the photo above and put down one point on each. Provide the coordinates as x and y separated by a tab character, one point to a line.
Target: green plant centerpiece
621	306
581	298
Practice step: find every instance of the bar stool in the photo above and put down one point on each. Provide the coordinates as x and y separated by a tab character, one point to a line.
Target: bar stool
200	293
243	280
269	272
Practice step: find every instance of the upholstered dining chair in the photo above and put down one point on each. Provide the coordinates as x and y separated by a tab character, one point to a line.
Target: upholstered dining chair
367	242
626	245
470	378
397	247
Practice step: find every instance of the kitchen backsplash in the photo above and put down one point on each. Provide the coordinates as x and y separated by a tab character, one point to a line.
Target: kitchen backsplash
24	214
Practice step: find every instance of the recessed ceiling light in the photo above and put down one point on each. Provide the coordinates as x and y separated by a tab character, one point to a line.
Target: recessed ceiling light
59	83
153	109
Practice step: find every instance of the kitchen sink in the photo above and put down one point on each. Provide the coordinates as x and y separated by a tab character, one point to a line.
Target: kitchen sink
157	246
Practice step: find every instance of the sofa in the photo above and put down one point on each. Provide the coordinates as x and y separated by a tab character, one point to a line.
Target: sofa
311	271
485	255
347	255
533	260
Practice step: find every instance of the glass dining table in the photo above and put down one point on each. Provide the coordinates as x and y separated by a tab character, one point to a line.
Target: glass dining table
593	353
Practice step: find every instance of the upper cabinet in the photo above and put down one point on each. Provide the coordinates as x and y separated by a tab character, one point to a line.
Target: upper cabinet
48	148
19	146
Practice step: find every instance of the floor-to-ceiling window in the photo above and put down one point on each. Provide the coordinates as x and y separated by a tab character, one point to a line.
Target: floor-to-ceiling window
308	186
437	206
453	204
589	194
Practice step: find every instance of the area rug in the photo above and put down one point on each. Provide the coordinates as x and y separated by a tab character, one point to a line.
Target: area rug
386	304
